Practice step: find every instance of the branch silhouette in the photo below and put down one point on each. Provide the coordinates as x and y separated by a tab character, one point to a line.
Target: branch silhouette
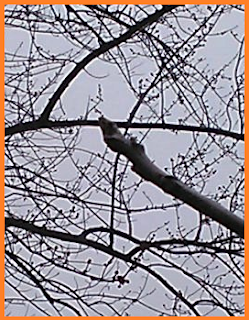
146	169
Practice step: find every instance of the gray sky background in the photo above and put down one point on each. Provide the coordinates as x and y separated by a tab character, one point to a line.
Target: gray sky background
160	145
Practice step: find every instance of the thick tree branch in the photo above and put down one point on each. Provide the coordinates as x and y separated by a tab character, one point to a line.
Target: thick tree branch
144	167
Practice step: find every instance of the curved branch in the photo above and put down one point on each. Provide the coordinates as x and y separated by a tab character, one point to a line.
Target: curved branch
49	124
96	53
12	222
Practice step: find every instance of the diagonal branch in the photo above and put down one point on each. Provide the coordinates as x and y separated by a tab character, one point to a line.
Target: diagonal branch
96	53
43	120
39	285
144	167
81	239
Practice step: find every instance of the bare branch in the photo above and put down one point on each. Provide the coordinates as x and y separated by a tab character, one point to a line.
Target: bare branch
144	167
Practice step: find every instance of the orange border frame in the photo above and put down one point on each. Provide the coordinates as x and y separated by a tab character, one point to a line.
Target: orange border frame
2	121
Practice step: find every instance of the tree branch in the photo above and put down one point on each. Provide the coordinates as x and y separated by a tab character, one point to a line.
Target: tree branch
144	167
102	49
25	225
38	283
50	124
